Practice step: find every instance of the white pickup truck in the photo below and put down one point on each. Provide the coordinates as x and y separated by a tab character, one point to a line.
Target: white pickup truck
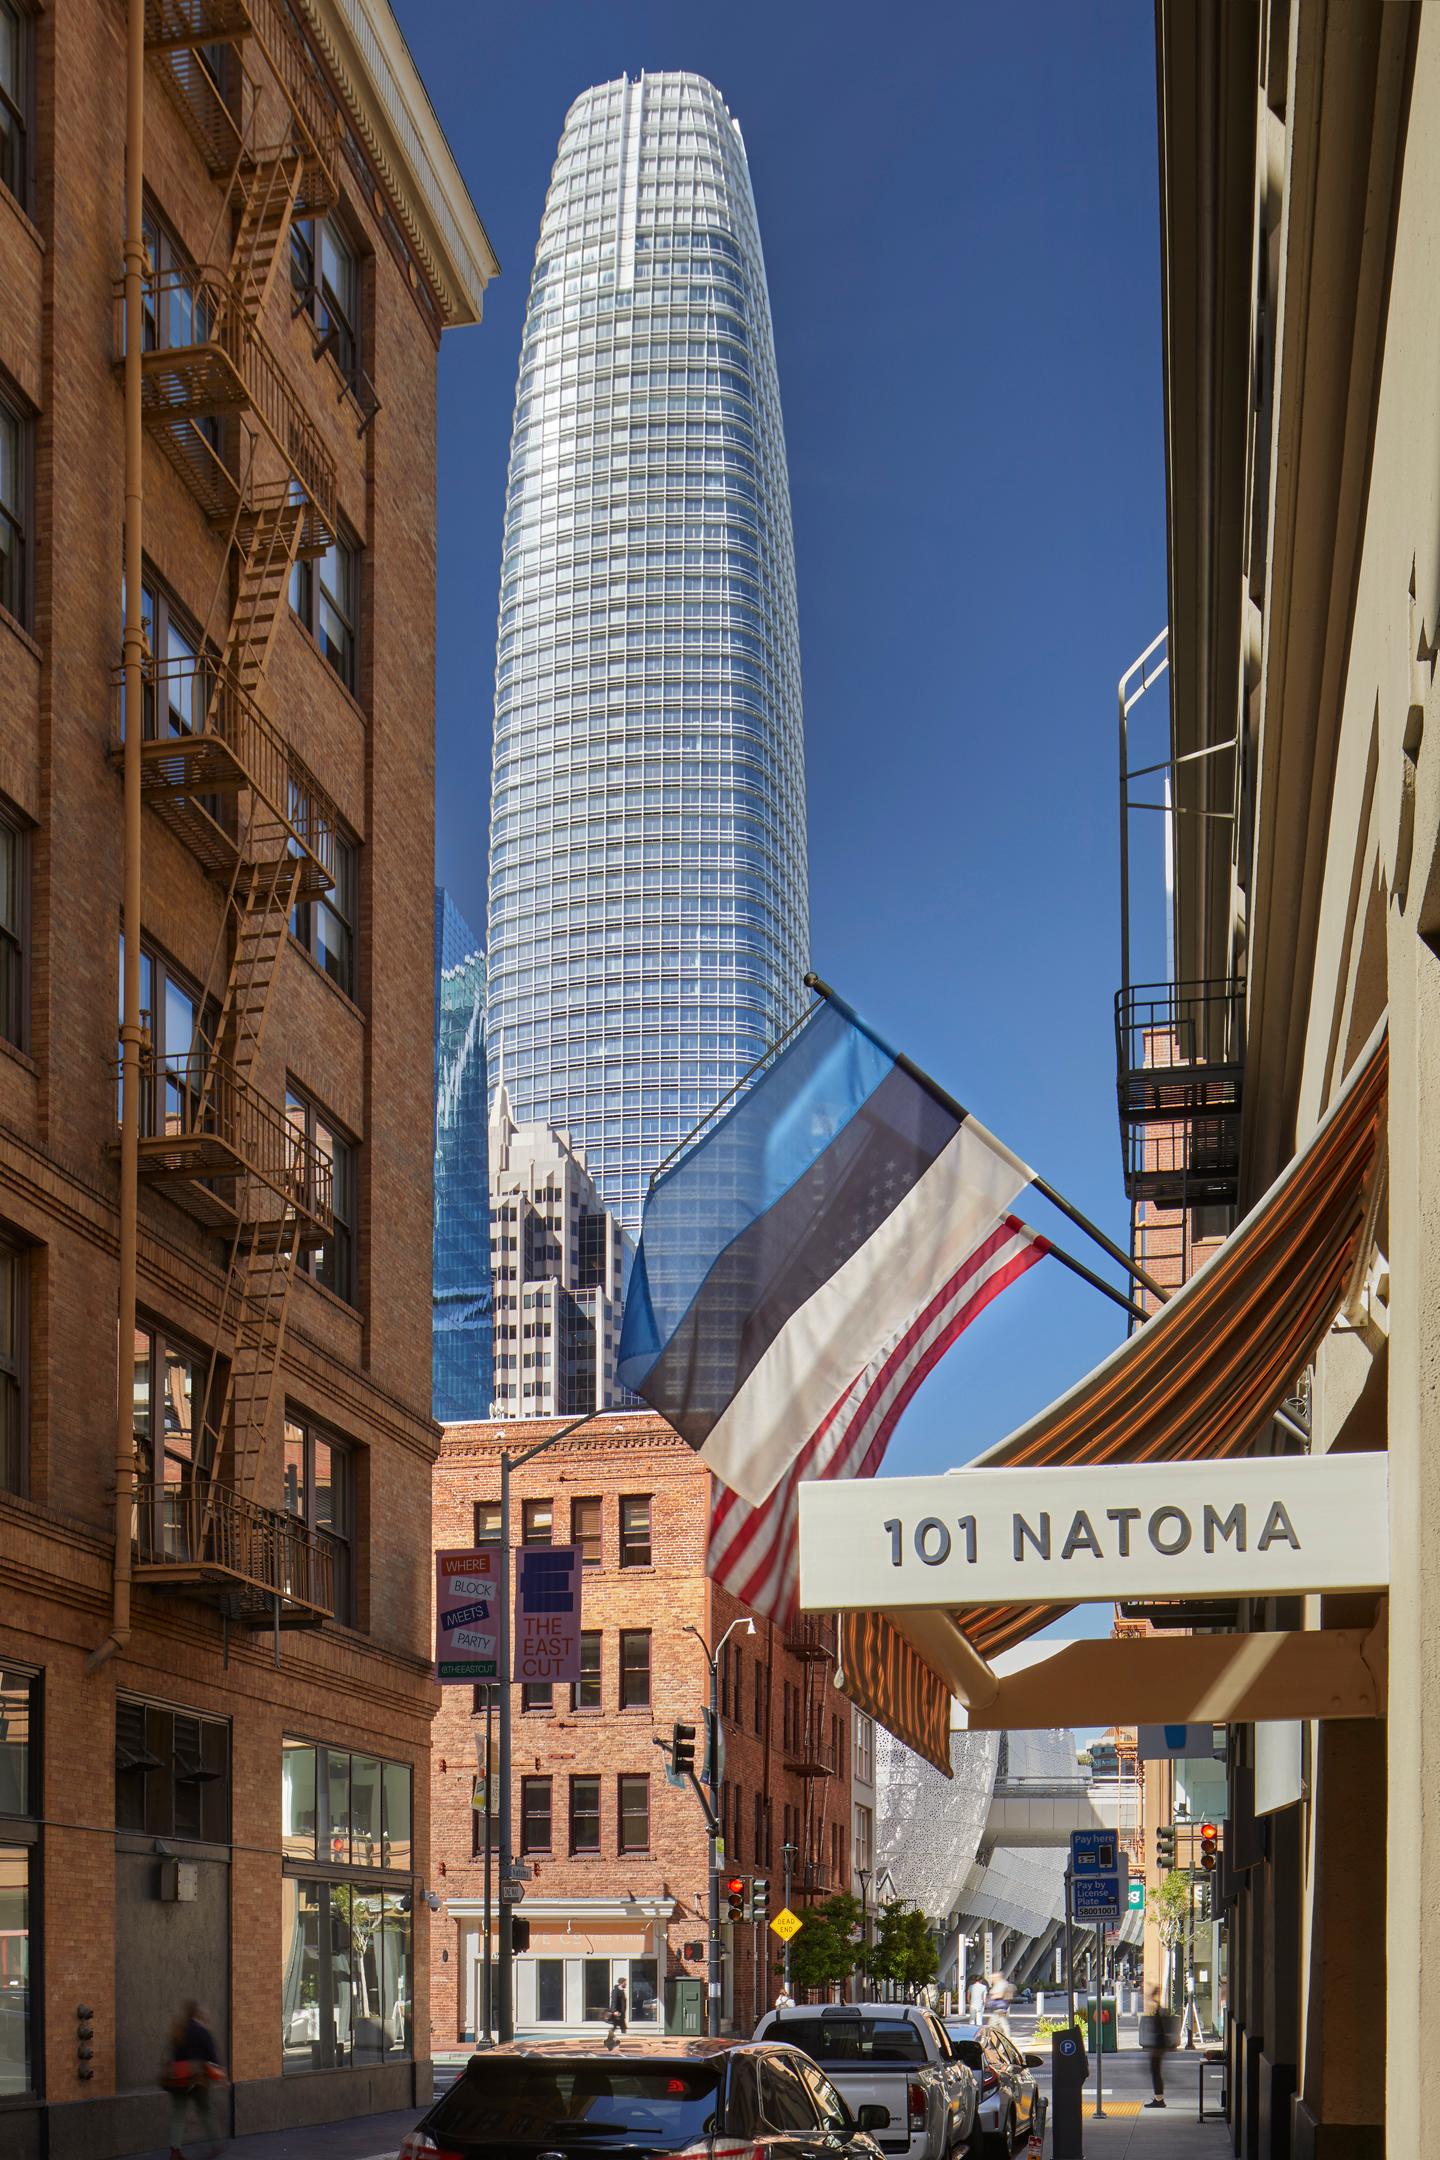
894	2056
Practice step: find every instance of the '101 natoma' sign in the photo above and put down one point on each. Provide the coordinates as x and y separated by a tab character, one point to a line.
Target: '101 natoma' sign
1276	1525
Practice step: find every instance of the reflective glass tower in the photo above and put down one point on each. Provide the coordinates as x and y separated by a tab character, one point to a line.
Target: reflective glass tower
648	907
461	1315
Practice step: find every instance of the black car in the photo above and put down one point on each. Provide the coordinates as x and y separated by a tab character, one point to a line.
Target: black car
579	2100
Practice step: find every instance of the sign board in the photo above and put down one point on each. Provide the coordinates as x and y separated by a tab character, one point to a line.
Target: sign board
786	1924
1137	1896
1093	1852
1100	1897
1268	1527
466	1624
547	1613
1179	1743
512	1893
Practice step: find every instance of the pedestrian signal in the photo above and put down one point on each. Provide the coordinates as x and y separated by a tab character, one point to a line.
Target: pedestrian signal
1209	1840
1165	1848
735	1888
519	1935
682	1748
760	1901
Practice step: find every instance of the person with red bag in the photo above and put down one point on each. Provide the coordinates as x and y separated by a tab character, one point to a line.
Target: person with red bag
192	2069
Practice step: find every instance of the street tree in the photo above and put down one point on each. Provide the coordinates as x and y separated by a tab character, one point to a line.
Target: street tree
903	1951
822	1955
1169	1908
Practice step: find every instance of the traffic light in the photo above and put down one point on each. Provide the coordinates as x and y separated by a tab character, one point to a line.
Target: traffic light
735	1887
519	1934
682	1748
1165	1848
1209	1841
760	1901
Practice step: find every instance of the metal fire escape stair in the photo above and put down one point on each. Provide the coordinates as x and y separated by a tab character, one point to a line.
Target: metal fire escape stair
234	791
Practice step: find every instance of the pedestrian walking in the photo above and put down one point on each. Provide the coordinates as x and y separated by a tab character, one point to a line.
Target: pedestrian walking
998	1999
977	2001
191	2072
784	2000
616	2018
1154	2039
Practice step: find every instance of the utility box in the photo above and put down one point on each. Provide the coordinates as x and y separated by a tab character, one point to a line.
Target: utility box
684	2005
1069	2068
1105	2040
179	1882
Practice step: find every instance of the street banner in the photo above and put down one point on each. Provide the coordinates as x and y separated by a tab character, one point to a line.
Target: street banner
547	1613
467	1621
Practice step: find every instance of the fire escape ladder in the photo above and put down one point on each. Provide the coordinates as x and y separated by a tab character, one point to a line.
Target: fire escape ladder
248	1342
267	537
263	894
269	189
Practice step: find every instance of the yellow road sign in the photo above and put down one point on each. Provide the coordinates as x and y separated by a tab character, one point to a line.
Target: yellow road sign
786	1924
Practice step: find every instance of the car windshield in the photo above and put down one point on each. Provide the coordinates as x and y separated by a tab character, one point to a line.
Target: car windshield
969	2051
852	2039
531	2102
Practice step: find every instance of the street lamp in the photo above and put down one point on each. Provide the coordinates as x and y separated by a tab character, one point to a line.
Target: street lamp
864	1874
712	1769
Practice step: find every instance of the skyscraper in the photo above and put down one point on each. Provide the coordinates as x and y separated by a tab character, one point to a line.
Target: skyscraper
648	907
461	1309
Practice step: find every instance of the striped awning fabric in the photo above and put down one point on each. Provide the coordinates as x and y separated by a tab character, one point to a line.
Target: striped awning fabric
1200	1379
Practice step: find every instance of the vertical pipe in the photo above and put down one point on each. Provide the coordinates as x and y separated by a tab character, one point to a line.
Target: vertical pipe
712	1963
1069	1949
506	1963
489	1793
133	653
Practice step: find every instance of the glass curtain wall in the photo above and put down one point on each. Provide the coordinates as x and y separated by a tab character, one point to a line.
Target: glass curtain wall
649	923
462	1316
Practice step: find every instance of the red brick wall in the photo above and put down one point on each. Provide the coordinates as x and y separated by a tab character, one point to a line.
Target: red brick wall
619	1454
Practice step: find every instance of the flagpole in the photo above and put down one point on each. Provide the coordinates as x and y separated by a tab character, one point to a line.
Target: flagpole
1096	1282
1117	1253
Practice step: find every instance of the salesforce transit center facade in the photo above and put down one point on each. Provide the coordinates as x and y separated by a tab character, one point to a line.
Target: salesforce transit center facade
649	921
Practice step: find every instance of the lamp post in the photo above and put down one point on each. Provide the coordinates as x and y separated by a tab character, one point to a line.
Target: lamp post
864	1874
712	1768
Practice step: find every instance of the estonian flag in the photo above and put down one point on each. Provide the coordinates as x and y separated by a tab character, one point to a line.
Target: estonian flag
794	1243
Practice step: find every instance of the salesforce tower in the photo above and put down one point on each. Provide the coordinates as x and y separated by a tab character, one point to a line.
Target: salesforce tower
648	906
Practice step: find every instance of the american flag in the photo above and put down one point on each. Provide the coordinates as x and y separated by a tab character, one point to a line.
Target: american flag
755	1551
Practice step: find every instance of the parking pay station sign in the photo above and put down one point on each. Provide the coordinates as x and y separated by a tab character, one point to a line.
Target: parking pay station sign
466	1622
1099	1876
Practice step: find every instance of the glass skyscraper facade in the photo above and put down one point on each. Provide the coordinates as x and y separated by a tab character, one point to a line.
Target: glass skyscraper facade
649	921
461	1315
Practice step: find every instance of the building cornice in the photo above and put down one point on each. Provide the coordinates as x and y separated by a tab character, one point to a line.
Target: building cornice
657	1907
387	104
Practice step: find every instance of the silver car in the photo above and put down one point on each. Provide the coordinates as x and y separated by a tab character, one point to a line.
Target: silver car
1011	2103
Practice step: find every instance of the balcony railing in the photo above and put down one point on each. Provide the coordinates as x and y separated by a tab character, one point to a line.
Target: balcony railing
204	738
178	30
201	1535
202	359
1179	1077
203	1125
809	1754
812	1635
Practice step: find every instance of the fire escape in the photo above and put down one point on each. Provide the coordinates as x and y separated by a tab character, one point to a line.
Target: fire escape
219	774
809	1751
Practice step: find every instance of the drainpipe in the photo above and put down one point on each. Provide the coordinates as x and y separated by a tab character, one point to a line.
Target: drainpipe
134	654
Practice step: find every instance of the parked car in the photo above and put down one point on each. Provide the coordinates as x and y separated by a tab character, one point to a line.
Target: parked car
1011	2103
579	2100
893	2056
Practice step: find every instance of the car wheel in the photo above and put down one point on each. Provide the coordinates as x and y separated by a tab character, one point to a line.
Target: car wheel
1001	2144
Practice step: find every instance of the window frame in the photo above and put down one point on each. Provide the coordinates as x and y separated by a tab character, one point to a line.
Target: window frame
21	517
152	1706
341	904
344	1459
15	1370
528	1840
628	1558
162	1339
307	587
314	296
20	182
597	1678
344	1162
529	1514
640	1778
587	1542
628	1673
486	1538
588	1778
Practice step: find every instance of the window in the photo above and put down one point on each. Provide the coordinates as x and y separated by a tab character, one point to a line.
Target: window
325	279
537	1522
549	1991
535	1814
347	1811
757	1850
783	2099
333	1263
324	594
538	1695
487	1522
19	1873
864	1838
346	1974
326	926
14	1367
178	680
864	1749
634	1814
15	112
596	1987
761	1677
585	1692
634	1668
320	1491
15	438
181	1026
585	1530
635	1530
172	1772
172	1443
584	1814
14	930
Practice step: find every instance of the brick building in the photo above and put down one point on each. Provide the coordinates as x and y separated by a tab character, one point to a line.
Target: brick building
620	1857
215	1725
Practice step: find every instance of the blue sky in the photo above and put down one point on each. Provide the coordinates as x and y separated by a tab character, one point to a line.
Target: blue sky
958	208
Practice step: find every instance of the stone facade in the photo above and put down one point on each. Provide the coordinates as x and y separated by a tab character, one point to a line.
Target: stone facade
787	1741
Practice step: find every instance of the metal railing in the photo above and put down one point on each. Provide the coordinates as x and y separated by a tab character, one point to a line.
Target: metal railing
203	358
171	26
199	1117
1179	1081
812	1635
205	1528
203	728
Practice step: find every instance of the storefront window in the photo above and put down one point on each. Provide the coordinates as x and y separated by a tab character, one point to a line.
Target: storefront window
346	1810
549	1991
15	2069
297	1801
642	1991
19	1873
346	1975
397	1814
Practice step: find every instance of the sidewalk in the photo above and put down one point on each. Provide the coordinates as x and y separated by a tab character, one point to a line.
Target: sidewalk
363	2137
1174	2132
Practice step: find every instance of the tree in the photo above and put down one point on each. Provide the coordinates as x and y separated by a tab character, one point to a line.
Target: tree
1169	1907
903	1951
822	1955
